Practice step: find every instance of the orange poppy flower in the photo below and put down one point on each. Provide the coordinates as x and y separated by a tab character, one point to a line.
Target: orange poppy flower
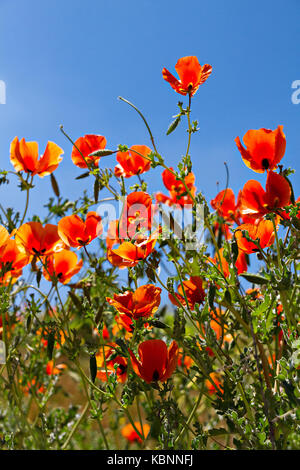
225	205
220	328
77	233
25	157
129	254
264	148
256	202
143	302
184	360
106	365
130	433
157	362
63	265
177	191
9	327
191	75
224	228
33	387
12	262
113	235
254	293
34	239
263	231
216	386
193	290
240	264
124	322
85	146
137	214
59	337
4	235
54	370
134	161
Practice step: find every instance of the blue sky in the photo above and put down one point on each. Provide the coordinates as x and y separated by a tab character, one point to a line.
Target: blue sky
67	61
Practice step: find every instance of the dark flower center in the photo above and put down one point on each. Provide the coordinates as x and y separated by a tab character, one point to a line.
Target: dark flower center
122	369
155	376
265	163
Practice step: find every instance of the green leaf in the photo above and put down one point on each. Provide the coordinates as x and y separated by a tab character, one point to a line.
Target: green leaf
83	175
76	301
96	190
50	344
54	185
93	367
255	278
234	250
211	295
173	125
102	153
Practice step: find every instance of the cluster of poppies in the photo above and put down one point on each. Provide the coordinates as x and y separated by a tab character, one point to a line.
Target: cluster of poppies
130	239
263	151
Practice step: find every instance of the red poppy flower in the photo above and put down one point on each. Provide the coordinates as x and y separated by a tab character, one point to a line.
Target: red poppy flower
134	161
143	302
76	233
85	146
130	433
286	215
157	362
129	254
12	262
25	157
191	75
178	194
64	265
225	205
193	290
34	239
263	231
106	365
256	202
137	214
264	148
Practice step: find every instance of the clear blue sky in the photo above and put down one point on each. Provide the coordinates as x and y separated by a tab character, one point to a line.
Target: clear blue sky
67	61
